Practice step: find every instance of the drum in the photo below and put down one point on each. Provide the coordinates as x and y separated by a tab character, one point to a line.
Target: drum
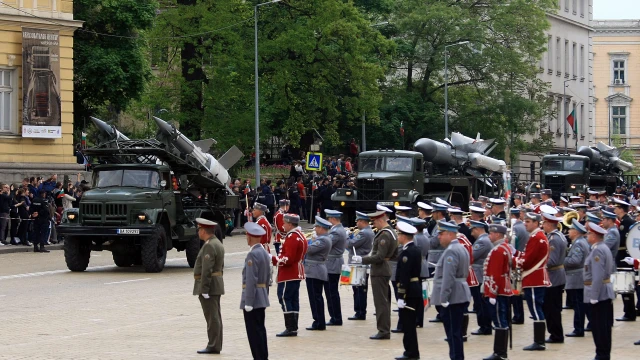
358	275
624	281
633	241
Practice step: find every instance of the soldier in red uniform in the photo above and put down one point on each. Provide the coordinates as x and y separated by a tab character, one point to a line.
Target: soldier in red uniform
278	223
535	279
497	288
259	211
472	280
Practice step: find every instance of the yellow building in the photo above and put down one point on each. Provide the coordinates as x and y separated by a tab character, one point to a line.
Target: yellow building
38	141
616	69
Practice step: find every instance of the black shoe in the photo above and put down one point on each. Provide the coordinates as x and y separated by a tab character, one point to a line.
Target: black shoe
637	342
331	323
551	340
208	351
287	333
624	318
315	328
534	347
587	329
481	331
356	318
379	336
436	320
397	331
407	358
567	307
575	334
396	310
494	356
35	248
43	250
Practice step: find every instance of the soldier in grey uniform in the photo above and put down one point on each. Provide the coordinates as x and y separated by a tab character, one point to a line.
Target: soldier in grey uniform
315	269
574	269
435	249
384	247
450	289
481	249
552	306
362	242
598	291
612	238
520	238
255	298
338	236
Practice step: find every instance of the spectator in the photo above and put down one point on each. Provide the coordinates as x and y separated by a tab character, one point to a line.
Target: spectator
5	206
269	200
353	148
302	195
68	200
294	196
347	166
49	185
228	225
236	212
33	187
22	205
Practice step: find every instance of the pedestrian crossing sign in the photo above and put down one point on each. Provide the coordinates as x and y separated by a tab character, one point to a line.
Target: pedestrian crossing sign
314	161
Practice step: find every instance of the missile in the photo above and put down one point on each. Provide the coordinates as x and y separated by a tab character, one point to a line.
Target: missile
467	150
604	157
108	132
187	147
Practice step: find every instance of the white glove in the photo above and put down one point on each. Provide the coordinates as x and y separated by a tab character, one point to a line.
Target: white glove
401	304
492	301
248	308
629	260
206	296
593	302
356	259
445	304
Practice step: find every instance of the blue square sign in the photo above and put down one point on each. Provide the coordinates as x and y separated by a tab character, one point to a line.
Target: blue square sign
314	161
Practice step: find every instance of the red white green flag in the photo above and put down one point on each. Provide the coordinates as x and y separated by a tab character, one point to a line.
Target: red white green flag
571	119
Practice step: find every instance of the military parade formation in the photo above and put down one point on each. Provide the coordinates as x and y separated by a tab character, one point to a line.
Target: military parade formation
443	258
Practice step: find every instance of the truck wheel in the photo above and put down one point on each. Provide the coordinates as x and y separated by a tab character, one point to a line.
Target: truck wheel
154	251
192	249
76	253
122	259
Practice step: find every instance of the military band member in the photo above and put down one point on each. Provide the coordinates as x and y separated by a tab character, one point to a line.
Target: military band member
209	284
535	279
290	273
472	280
424	213
255	298
394	265
259	212
278	223
612	238
598	291
635	263
518	200
535	201
626	222
422	242
484	200
403	210
593	195
362	243
384	247
497	288
546	197
451	293
315	269
582	212
476	214
338	236
552	306
574	268
409	288
564	202
497	208
481	249
435	248
575	199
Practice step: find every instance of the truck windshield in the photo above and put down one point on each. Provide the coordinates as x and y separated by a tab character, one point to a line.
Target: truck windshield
399	164
371	164
126	177
564	165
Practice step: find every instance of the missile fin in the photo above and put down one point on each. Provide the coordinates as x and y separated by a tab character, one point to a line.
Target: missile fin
231	157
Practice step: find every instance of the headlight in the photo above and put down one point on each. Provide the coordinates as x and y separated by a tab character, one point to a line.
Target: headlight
71	216
394	194
348	192
396	204
573	187
342	203
142	217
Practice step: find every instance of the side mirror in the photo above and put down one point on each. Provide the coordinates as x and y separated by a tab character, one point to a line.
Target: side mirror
163	183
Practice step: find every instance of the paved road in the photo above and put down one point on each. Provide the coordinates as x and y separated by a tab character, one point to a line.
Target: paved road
107	312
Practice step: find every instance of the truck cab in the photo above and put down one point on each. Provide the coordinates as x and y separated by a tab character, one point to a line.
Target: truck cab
564	174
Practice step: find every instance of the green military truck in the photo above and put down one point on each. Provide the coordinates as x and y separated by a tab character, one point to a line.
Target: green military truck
564	174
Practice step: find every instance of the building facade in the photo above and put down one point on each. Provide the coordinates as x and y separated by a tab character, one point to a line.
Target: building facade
616	44
36	88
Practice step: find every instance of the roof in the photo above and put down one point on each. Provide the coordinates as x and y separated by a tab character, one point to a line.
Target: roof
391	152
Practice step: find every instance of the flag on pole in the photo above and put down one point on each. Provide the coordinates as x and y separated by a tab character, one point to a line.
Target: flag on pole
401	128
571	119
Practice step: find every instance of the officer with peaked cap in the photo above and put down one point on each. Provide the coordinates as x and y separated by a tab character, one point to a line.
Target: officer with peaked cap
477	214
552	306
362	242
424	212
546	196
315	269
481	249
394	267
598	290
409	288
612	238
422	242
574	268
208	284
259	211
497	208
338	236
402	210
255	298
278	223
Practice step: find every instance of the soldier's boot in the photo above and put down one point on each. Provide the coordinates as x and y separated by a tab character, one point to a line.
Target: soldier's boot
35	247
465	326
539	329
42	249
295	323
500	345
289	320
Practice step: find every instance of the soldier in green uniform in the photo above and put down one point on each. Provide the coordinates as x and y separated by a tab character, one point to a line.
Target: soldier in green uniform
208	284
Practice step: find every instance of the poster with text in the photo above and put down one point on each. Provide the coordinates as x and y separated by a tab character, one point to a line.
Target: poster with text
41	113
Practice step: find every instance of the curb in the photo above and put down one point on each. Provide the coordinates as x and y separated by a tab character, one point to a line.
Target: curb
11	249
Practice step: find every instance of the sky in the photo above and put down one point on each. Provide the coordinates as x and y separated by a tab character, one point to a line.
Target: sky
616	9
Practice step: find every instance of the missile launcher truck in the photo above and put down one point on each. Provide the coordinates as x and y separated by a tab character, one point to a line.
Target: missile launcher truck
145	196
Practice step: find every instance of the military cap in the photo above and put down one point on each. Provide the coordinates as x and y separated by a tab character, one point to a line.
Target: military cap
564	199
333	213
292	218
254	229
204	223
551	217
497	201
621	202
447	226
454	210
402	208
592	203
475	203
575	224
548	209
416	221
440	207
591	217
498	228
406	228
595	228
518	196
483	198
403	219
362	216
476	224
514	210
377	214
323	223
488	206
545	192
284	202
608	215
575	197
442	202
475	209
498	220
602	192
535	195
383	208
533	216
425	206
579	206
261	207
592	192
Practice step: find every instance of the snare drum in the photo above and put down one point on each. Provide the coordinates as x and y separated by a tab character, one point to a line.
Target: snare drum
624	282
358	275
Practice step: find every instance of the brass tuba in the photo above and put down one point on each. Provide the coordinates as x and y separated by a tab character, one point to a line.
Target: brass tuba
567	219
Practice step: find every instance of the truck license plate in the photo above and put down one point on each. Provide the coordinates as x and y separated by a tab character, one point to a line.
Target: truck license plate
386	203
129	231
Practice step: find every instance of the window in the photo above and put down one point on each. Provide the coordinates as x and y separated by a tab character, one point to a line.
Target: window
574	55
558	57
619	120
582	62
550	54
399	164
127	177
618	71
7	99
566	5
583	121
582	8
566	58
574	10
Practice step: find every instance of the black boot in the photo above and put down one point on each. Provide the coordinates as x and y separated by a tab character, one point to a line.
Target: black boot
35	248
500	345
289	323
42	249
295	323
465	326
539	329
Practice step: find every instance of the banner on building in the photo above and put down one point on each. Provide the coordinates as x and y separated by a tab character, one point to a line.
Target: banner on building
41	113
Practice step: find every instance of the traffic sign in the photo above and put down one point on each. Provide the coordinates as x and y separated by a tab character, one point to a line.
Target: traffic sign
314	161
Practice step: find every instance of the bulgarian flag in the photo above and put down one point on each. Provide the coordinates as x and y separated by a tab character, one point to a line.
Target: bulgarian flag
571	119
401	128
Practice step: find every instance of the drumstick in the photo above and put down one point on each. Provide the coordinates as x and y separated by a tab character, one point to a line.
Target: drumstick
406	307
430	263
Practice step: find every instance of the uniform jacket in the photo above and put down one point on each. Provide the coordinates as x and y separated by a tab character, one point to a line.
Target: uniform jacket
422	242
497	271
315	266
522	235
362	242
393	262
435	249
574	263
464	230
472	280
384	248
625	225
533	261
41	206
557	253
289	261
278	224
481	249
612	240
338	236
408	273
255	278
265	240
597	274
430	224
207	272
450	278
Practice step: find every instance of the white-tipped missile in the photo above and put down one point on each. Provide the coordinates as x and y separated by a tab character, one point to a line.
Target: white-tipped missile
109	131
186	147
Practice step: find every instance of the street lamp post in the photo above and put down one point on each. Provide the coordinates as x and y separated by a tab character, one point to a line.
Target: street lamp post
564	108
257	122
446	88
